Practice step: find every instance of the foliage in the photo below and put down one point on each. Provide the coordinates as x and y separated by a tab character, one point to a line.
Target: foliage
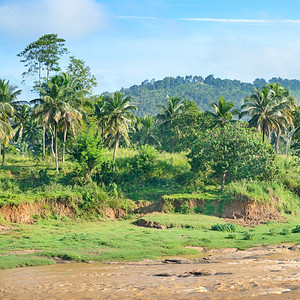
223	112
233	152
296	229
228	227
43	54
78	69
145	162
87	153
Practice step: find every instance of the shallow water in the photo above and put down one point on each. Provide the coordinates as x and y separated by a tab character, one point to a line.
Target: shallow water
228	275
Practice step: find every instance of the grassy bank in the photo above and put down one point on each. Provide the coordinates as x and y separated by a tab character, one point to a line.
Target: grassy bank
79	240
85	237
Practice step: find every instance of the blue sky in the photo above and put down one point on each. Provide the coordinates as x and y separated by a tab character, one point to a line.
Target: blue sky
126	42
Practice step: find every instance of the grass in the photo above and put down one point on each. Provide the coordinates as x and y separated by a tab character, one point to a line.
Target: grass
121	240
24	179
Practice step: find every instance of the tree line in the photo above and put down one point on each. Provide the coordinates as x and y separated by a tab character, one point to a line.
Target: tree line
65	115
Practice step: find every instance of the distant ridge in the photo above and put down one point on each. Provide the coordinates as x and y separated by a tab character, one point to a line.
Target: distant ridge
202	91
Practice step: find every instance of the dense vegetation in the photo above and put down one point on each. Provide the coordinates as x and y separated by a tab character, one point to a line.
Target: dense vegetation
91	154
202	91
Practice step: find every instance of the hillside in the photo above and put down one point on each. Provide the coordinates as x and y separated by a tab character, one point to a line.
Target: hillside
202	91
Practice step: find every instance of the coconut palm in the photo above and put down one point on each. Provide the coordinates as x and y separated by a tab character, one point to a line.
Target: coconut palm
8	102
59	107
170	111
285	105
148	136
269	109
118	117
100	116
54	107
223	112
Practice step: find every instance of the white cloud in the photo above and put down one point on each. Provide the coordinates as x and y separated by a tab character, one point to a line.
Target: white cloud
255	21
136	18
69	18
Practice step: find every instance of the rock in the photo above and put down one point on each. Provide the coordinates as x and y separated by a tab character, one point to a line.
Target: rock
177	261
149	224
295	248
165	274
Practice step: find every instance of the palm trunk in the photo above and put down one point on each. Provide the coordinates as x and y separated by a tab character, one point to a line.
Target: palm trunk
287	146
64	144
44	139
3	155
52	141
116	147
56	153
277	138
263	132
223	180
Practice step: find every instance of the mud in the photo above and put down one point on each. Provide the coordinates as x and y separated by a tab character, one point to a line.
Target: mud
260	273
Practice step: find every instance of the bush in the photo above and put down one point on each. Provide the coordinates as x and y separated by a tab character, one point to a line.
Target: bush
228	227
144	164
296	229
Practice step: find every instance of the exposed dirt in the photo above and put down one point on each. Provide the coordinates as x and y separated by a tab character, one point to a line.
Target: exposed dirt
24	212
244	211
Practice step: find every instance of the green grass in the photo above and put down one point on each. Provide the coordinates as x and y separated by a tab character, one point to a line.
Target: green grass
123	241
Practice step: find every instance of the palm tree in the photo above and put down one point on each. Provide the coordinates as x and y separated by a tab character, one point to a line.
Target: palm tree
223	112
148	136
118	117
53	107
170	111
269	109
59	107
8	102
100	116
285	105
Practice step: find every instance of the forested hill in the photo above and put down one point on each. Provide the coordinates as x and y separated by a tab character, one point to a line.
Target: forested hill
202	91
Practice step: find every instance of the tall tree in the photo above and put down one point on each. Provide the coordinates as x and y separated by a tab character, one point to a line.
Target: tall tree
78	69
170	111
54	106
119	117
41	57
8	101
269	109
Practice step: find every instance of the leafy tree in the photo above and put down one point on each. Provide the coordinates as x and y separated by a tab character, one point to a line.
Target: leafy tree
78	69
87	153
43	55
223	112
232	152
118	117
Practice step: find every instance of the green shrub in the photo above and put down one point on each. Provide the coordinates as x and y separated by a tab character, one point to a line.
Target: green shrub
296	229
285	231
248	236
228	227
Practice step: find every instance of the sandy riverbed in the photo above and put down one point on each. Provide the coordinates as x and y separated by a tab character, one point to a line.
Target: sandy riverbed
271	272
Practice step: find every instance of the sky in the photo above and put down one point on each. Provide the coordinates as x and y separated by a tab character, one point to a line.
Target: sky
126	42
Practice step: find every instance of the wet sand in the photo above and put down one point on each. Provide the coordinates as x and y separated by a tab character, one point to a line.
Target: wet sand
260	273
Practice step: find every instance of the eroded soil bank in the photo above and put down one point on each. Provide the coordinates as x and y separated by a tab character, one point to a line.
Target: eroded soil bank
261	273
